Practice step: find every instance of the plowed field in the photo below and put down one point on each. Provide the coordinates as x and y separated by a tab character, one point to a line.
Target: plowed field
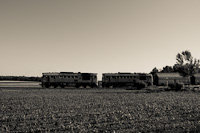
98	110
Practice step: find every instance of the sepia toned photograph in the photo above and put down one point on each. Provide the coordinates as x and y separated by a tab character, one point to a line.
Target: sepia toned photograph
100	66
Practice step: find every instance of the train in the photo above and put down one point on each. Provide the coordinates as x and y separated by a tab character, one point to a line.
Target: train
114	80
71	79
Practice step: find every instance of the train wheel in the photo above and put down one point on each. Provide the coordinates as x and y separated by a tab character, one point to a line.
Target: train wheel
46	85
107	86
93	85
62	86
54	86
77	86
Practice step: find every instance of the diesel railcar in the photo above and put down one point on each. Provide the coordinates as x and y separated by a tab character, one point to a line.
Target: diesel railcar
69	79
125	79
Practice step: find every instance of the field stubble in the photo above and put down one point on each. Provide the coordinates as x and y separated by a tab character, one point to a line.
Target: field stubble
96	110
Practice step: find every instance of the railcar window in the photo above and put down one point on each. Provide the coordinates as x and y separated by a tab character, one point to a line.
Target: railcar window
76	76
86	76
68	76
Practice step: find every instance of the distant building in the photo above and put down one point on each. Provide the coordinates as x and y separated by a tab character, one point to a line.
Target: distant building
169	78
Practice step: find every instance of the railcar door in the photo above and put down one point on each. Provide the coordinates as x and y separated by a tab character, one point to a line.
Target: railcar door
48	79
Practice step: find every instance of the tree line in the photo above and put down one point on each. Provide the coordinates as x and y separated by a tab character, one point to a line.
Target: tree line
20	78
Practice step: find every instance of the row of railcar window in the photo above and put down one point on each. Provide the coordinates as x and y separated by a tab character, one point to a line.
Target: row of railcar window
126	77
63	77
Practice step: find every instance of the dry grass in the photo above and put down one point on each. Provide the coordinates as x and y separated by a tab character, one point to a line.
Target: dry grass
96	110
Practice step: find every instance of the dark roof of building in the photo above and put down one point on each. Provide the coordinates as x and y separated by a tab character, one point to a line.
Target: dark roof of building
165	75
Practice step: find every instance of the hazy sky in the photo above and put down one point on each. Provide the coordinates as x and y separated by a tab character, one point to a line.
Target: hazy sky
95	35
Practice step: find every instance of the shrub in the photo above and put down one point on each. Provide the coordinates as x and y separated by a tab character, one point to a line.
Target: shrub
179	86
140	84
176	86
171	86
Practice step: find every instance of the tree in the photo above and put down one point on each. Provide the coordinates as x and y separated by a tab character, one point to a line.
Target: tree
154	71
186	65
167	69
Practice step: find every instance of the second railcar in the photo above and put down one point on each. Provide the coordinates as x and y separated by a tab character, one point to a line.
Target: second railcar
69	79
125	79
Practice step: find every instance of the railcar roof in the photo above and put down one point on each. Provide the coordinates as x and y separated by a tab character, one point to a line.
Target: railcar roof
126	74
64	73
51	73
